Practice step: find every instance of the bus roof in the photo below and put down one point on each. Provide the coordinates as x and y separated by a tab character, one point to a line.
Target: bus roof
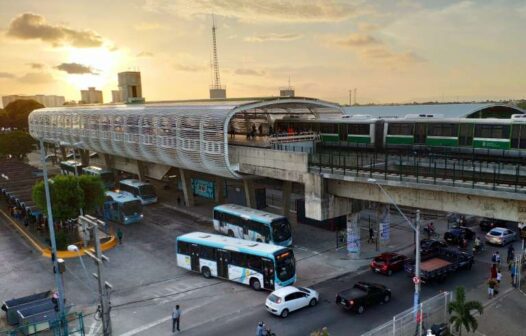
96	170
71	163
231	244
134	182
257	215
121	197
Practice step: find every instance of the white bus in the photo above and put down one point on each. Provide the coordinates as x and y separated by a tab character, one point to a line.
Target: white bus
106	175
69	167
145	191
259	265
246	223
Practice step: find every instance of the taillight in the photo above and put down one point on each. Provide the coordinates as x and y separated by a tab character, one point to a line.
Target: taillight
384	267
351	302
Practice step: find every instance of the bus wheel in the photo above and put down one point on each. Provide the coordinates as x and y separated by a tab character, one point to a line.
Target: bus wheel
230	233
206	272
255	284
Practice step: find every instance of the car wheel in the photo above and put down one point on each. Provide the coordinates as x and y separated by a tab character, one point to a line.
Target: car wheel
387	298
313	302
255	284
230	233
206	272
361	309
389	272
284	313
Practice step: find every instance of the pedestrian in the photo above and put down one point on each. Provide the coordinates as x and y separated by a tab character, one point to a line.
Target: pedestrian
491	288
176	317
493	272
513	274
497	258
119	235
511	254
371	235
179	200
494	258
259	329
499	278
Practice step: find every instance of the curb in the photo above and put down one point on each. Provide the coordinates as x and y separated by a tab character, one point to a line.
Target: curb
34	243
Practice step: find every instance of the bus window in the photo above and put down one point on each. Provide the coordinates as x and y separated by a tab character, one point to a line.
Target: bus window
147	190
183	248
285	265
281	230
131	208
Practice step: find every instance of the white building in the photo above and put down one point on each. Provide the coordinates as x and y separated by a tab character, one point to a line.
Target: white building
130	87
90	96
46	100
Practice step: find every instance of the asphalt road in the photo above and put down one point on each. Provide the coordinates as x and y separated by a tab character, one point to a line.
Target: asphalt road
340	321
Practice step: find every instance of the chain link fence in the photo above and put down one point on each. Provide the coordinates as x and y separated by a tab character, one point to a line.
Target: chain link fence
72	325
410	323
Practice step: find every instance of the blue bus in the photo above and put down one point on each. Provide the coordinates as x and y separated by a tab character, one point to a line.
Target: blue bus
247	223
69	167
122	208
259	265
143	190
106	175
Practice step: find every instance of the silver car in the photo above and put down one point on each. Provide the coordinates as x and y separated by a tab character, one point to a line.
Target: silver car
500	236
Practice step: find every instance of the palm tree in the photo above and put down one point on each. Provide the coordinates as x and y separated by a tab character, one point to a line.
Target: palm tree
462	312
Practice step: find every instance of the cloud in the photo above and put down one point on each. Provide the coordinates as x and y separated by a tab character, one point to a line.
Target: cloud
36	78
36	65
145	54
355	40
30	26
249	72
268	10
144	26
76	69
190	67
273	37
6	75
384	56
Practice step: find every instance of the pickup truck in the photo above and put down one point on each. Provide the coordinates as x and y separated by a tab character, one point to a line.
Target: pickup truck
438	265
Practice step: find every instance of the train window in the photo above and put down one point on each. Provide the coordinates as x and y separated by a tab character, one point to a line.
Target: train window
359	129
449	130
492	131
522	141
400	129
328	128
515	134
465	137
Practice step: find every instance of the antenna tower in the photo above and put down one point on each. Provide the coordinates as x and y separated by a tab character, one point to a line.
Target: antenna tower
215	66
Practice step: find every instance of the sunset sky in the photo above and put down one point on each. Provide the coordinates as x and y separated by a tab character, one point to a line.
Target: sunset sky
391	51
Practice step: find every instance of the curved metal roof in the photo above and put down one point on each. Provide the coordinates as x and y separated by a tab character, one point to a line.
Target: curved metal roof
191	135
446	110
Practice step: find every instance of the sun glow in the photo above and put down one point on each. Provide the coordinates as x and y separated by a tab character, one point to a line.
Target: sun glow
104	65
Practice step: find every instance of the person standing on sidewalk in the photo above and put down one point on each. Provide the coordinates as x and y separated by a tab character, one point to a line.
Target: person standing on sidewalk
176	317
119	235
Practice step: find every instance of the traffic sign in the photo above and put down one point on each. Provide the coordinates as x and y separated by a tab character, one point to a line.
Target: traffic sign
416	280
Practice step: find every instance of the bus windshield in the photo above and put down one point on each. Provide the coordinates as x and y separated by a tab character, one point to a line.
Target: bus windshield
280	230
147	190
285	265
131	207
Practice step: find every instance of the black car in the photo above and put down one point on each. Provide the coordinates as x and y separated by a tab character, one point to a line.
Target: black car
487	224
457	233
429	247
363	295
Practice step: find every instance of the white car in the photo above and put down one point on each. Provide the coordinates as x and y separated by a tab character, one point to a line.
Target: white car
288	299
500	236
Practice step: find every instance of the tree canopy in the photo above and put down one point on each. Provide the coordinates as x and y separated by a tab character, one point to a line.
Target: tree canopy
16	143
462	312
69	194
16	113
522	104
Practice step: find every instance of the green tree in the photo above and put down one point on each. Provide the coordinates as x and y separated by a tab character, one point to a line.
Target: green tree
16	113
322	332
93	189
522	104
16	143
66	197
462	312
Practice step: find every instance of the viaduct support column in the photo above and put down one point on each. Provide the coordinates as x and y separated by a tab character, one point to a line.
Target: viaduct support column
383	218
141	170
84	157
353	230
63	153
250	193
186	183
219	190
287	188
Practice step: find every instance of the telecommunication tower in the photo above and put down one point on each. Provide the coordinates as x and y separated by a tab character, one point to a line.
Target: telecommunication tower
216	90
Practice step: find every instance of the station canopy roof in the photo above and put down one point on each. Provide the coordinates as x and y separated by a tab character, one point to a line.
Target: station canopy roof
468	110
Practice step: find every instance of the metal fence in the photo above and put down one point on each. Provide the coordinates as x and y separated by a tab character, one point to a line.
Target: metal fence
409	323
74	326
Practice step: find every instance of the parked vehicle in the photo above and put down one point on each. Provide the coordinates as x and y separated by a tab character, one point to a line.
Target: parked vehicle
429	247
144	190
363	295
122	207
457	233
285	300
439	265
500	236
387	263
487	224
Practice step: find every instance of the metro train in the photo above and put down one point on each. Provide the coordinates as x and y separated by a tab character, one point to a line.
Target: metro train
411	131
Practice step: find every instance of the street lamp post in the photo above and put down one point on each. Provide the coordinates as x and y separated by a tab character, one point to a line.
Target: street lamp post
416	228
51	225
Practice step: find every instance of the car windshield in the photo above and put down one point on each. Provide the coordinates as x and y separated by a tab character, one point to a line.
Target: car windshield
495	233
147	190
281	230
379	260
273	298
285	265
304	290
131	208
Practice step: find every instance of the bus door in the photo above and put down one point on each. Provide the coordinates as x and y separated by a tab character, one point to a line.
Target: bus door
223	259
194	255
268	274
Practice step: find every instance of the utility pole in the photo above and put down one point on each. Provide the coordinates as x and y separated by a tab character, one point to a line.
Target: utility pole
416	280
104	286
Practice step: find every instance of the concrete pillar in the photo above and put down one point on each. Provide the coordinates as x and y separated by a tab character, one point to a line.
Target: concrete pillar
186	183
353	230
84	157
108	160
250	193
287	189
383	218
63	153
141	170
219	190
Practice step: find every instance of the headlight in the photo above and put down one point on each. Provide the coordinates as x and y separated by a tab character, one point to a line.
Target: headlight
125	218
